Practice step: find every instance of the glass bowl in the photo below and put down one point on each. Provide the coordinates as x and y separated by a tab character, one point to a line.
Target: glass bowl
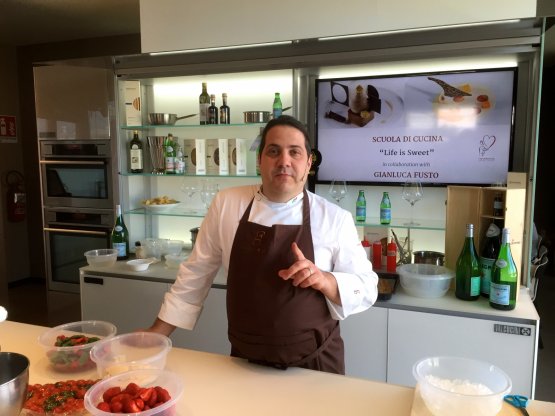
103	257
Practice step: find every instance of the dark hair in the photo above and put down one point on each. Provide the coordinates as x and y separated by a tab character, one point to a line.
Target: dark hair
285	120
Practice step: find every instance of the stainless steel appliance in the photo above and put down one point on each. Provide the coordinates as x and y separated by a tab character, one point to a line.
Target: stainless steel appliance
69	233
76	173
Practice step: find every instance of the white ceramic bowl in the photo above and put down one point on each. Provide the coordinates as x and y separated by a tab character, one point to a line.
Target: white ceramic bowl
132	351
171	382
74	358
425	280
103	257
457	386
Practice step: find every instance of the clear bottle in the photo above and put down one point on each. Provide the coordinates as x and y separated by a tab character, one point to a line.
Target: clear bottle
169	154
488	255
203	104
385	209
225	111
504	277
136	153
120	236
467	277
277	108
212	110
360	214
179	160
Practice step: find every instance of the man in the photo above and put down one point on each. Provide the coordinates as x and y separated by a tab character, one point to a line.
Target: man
294	262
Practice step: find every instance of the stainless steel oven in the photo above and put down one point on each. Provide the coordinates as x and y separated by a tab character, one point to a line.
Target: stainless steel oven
77	173
68	234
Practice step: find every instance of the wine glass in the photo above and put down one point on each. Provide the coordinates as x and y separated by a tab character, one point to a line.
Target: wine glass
338	190
412	193
208	192
189	188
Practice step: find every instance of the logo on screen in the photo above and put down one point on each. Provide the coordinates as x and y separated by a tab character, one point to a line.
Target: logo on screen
485	144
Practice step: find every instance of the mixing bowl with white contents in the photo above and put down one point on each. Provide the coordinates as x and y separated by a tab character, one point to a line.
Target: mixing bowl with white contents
456	386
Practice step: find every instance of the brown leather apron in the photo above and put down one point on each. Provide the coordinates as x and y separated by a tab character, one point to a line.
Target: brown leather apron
270	321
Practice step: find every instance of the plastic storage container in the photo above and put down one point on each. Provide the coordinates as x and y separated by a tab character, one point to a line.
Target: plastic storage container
453	386
425	280
74	358
143	378
103	257
133	351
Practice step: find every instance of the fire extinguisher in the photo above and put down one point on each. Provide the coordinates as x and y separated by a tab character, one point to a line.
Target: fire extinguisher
15	196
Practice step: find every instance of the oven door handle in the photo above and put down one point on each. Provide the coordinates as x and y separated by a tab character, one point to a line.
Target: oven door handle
72	162
66	230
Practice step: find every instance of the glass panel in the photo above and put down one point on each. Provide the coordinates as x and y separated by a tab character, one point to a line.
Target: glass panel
77	181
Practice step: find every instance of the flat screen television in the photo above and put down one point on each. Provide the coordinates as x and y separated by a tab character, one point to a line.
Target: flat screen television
439	128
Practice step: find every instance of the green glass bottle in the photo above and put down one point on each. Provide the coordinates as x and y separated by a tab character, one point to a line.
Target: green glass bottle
504	277
360	213
385	209
467	276
169	154
488	254
136	153
277	108
203	104
120	236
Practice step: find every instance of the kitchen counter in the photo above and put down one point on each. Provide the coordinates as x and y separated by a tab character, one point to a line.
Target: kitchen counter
218	384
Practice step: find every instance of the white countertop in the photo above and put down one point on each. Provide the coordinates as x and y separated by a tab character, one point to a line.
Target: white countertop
524	313
221	385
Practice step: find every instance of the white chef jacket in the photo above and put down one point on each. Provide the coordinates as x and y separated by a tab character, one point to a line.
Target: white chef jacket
337	249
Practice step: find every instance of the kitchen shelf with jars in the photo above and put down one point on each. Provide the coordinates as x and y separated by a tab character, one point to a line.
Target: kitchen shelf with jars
153	108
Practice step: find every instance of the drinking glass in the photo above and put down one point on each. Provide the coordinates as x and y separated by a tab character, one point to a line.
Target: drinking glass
208	192
338	190
412	193
190	188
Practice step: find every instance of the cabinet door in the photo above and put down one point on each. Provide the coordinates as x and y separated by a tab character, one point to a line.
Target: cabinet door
416	335
210	332
128	303
365	338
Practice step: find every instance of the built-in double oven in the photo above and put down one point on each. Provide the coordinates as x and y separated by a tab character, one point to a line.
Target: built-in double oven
77	182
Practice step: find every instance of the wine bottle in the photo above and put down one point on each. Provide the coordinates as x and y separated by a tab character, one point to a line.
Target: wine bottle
179	161
169	154
498	205
277	108
225	111
504	277
136	154
212	110
360	213
120	236
203	104
385	209
467	275
488	255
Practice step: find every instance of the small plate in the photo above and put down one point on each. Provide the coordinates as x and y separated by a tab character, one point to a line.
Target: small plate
140	265
160	207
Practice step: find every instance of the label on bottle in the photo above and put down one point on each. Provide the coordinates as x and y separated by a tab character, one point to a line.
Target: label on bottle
360	212
120	247
500	294
486	265
118	228
136	156
501	263
203	112
475	285
385	215
277	112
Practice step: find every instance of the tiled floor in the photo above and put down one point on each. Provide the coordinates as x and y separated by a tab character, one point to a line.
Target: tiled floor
28	303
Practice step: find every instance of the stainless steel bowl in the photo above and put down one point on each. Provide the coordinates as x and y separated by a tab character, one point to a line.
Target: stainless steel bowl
14	379
429	257
256	116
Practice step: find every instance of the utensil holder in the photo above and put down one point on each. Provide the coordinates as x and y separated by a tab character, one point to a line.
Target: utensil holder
157	156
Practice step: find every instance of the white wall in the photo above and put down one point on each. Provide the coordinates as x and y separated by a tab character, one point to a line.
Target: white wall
168	25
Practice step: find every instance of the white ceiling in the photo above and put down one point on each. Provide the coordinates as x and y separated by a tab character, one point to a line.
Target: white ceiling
28	22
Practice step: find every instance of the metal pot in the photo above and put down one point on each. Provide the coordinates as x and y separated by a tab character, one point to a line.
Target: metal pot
165	119
260	116
429	257
256	116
